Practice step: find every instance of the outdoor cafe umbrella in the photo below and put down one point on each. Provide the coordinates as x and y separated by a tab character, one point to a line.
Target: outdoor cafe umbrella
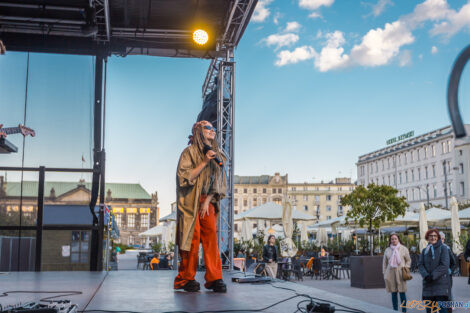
423	227
455	223
303	232
322	237
246	230
288	248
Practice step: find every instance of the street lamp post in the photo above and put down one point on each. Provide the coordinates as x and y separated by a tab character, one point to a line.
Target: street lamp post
445	182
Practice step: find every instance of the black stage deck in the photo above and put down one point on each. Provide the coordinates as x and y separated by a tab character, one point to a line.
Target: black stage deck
151	291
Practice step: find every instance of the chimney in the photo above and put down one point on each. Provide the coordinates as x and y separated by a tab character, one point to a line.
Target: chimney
52	193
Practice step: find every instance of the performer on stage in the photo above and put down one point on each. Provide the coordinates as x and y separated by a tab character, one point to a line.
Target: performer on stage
200	184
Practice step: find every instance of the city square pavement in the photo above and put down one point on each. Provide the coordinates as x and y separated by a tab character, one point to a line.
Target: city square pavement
460	290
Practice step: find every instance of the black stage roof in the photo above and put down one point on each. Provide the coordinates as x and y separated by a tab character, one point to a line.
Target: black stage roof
145	27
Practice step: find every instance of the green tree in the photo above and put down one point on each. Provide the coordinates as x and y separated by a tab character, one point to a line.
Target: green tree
373	206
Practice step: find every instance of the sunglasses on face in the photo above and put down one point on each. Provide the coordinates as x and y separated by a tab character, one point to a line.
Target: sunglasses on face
209	127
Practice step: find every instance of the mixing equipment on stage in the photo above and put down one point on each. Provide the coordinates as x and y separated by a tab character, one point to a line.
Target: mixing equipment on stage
59	306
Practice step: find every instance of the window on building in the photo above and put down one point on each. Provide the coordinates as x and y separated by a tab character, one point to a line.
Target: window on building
389	181
274	190
383	165
394	179
426	172
449	145
79	247
328	208
264	200
444	149
235	190
118	219
255	190
462	189
236	211
433	170
426	152
406	158
328	198
433	150
245	190
255	202
406	176
317	198
279	190
412	175
434	191
235	202
461	168
328	217
293	189
305	207
400	178
460	152
419	173
277	200
131	220
236	226
144	221
305	198
417	154
412	156
450	189
388	163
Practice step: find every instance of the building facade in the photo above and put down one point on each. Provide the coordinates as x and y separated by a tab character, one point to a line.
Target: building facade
321	200
429	168
135	210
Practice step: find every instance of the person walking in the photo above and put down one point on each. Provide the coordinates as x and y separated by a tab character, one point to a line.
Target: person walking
433	266
467	256
452	262
396	256
270	256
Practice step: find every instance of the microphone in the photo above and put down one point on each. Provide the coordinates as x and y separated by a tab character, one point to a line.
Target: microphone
206	149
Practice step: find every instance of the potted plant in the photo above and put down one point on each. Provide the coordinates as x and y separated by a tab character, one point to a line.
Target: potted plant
371	206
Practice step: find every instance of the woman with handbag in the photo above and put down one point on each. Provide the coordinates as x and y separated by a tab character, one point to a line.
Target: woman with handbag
396	270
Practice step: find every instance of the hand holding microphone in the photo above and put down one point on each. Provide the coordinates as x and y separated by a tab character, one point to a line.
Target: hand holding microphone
211	155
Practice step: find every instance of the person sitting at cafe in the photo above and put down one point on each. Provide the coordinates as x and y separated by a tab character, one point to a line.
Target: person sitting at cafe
155	261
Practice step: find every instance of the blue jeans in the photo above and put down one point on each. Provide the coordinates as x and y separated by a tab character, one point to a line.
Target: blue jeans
395	300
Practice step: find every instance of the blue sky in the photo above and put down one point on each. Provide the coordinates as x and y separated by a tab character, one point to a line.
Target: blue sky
319	82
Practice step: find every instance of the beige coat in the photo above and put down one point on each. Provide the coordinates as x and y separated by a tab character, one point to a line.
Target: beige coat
187	198
393	276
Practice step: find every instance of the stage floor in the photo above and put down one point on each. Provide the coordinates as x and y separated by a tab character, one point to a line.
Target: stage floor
151	291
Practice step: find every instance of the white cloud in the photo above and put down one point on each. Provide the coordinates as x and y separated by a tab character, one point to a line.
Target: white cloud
303	53
292	27
420	56
276	18
379	46
380	7
429	10
262	11
404	58
454	22
281	40
332	54
315	4
434	50
319	34
314	15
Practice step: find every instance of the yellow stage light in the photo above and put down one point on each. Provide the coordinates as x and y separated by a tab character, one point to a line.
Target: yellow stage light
200	37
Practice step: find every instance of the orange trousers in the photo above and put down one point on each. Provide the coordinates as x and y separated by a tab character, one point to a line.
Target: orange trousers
205	232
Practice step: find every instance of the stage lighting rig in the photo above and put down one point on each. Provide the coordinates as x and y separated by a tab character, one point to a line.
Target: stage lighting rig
200	37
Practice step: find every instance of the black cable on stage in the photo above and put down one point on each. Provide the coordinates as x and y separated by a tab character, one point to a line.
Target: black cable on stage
47	299
318	299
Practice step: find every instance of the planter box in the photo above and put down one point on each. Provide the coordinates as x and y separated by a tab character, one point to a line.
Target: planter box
366	272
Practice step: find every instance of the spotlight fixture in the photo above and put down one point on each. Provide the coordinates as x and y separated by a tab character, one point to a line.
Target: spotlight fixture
200	37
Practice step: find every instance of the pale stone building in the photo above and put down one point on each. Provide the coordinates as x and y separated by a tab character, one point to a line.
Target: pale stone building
428	168
321	200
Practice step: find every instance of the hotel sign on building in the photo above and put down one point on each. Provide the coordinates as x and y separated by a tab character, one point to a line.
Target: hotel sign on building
428	168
